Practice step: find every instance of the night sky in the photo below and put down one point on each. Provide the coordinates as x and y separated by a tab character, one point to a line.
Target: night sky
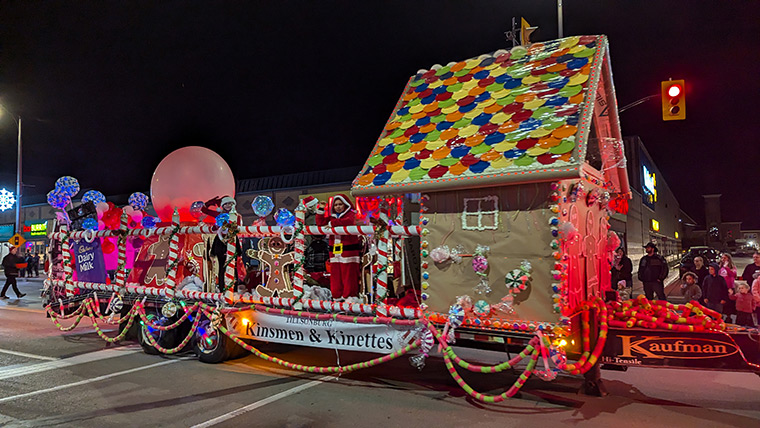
107	89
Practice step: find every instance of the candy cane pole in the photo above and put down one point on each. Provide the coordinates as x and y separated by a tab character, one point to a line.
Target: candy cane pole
382	259
121	272
229	268
67	271
298	249
171	277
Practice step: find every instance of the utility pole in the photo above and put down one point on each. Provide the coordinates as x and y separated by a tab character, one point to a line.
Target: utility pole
560	30
18	181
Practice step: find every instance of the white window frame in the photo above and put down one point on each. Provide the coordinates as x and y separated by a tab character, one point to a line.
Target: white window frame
480	213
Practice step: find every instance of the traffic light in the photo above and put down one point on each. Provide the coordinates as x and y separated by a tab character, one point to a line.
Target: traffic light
673	100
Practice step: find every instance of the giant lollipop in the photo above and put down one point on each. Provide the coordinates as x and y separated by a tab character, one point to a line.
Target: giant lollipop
186	175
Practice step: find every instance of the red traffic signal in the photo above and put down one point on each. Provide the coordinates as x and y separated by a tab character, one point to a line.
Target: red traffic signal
674	91
673	100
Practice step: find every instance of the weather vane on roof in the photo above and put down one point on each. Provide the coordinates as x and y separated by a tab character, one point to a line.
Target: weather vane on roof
520	35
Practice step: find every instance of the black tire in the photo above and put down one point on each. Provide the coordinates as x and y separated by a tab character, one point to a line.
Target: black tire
212	346
166	339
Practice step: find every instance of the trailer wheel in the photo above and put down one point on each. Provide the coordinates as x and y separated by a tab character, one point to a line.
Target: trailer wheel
210	344
165	339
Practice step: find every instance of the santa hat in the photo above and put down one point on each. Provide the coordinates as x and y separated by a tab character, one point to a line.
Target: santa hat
346	201
228	200
310	202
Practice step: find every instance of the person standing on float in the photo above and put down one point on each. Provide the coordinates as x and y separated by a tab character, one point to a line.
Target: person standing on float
345	250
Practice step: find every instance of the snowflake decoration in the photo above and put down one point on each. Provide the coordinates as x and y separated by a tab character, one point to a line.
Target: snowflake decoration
6	200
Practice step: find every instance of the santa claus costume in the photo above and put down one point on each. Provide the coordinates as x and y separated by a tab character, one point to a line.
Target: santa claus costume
345	250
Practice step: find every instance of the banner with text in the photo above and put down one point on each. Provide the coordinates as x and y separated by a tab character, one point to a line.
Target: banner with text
90	266
332	334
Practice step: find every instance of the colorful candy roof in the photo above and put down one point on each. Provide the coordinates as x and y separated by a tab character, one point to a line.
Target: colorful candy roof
490	119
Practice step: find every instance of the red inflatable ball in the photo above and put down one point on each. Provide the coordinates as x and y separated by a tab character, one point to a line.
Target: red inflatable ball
187	175
108	246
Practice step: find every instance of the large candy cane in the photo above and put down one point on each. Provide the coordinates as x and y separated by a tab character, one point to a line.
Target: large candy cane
121	272
171	277
67	270
298	249
381	267
229	260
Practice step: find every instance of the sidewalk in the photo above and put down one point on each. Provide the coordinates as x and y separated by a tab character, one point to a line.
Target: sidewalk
31	286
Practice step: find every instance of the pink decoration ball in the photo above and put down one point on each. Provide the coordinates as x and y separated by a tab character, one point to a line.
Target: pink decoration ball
187	175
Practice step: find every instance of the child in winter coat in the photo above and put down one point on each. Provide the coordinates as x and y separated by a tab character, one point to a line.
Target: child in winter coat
345	250
715	290
745	304
690	289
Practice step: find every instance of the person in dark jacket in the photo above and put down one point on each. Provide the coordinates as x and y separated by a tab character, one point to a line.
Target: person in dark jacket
11	272
715	290
622	274
653	269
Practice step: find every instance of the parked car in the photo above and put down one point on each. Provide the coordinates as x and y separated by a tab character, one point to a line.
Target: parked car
709	255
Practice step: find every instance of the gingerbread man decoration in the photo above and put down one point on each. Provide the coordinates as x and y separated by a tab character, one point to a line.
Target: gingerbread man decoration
276	260
574	248
603	254
157	270
590	253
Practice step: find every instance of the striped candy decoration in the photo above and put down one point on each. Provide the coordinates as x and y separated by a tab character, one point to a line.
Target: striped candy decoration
171	276
298	249
67	261
121	277
382	260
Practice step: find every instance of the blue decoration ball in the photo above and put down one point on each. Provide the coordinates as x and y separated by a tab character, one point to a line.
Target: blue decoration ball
222	218
93	196
67	185
195	209
138	201
262	205
149	222
56	199
283	217
90	223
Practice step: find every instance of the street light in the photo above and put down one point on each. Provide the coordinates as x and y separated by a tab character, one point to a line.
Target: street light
18	168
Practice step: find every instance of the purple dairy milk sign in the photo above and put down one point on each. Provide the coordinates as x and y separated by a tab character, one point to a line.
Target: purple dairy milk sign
89	261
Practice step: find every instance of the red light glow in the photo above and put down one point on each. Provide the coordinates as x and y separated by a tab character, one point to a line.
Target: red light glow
674	90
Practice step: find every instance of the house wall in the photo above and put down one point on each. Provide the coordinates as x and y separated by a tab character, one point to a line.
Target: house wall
523	233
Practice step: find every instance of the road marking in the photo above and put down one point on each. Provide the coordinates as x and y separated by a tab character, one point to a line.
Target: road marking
27	369
86	381
260	403
24	354
36	311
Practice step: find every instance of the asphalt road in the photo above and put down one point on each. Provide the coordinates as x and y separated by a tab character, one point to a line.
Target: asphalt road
50	378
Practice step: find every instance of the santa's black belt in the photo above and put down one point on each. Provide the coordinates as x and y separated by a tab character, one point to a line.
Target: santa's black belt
340	248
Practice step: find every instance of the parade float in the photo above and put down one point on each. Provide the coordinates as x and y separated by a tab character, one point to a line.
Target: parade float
509	163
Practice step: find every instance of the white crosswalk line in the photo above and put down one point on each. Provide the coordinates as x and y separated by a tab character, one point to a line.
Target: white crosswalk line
261	403
86	381
24	354
28	369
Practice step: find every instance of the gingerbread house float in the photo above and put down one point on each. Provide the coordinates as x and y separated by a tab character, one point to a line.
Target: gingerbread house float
516	155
